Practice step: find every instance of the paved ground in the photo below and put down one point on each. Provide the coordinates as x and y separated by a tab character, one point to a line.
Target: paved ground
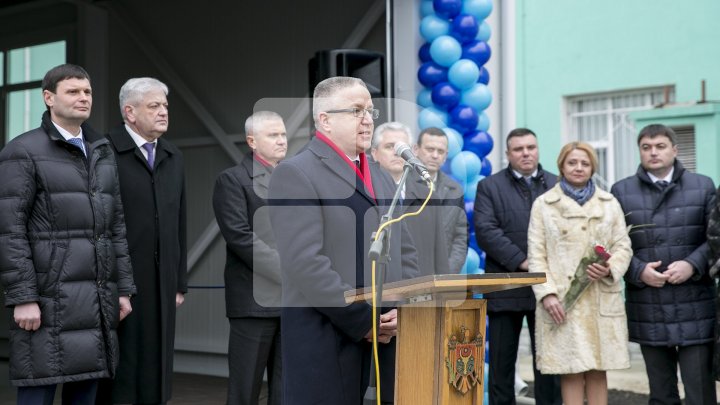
188	389
627	387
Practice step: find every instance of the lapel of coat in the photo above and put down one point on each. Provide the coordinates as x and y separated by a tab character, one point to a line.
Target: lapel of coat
124	143
259	174
415	190
162	152
339	167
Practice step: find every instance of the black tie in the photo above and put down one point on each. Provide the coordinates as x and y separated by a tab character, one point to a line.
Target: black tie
357	163
662	184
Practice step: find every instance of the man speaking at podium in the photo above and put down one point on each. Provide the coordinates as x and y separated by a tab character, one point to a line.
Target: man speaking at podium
324	205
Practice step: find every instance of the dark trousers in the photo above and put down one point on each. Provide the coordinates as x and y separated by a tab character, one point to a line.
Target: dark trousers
504	336
73	393
254	345
695	367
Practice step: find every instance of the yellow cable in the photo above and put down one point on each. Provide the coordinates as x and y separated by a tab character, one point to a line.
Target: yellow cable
374	300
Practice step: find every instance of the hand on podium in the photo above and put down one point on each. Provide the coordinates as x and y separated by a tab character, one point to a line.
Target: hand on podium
387	329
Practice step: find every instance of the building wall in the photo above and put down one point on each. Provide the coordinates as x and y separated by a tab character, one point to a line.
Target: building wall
228	57
574	47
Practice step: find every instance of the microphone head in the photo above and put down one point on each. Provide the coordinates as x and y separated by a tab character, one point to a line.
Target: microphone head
401	147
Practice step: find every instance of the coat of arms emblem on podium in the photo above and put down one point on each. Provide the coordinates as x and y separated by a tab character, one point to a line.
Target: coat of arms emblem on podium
463	356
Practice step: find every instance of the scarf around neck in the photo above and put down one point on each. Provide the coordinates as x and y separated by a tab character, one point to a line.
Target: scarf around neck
582	195
363	172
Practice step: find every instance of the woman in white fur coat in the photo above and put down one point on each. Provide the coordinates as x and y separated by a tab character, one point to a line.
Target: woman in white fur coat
566	223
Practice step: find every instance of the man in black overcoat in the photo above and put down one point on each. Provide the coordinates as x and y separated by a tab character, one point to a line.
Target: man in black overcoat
324	204
252	266
501	216
152	184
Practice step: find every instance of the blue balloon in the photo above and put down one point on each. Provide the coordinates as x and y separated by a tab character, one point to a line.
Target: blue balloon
424	98
455	141
477	51
483	122
472	263
430	74
471	188
463	118
469	210
478	142
480	9
426	8
445	50
486	167
463	74
424	53
484	32
446	167
466	166
477	97
464	28
484	76
447	8
483	255
472	238
432	117
445	95
433	26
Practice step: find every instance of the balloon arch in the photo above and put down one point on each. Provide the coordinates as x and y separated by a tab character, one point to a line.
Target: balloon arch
455	94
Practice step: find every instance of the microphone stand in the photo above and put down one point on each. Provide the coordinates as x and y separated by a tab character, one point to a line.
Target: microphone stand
380	253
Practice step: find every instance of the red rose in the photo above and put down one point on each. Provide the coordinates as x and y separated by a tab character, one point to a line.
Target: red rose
602	253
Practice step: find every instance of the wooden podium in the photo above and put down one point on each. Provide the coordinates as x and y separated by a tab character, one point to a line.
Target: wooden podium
441	334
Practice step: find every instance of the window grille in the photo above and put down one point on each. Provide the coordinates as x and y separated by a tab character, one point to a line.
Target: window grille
602	121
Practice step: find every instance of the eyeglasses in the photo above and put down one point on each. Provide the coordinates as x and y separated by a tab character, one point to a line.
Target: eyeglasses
358	112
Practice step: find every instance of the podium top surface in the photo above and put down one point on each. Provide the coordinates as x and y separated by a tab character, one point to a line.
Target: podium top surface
448	283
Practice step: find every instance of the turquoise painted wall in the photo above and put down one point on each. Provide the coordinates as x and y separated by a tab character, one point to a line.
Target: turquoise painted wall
575	47
706	119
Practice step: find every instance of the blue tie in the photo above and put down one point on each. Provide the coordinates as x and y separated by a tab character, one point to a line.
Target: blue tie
150	148
78	142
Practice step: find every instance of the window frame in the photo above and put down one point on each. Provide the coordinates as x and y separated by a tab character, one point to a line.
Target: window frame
23	40
609	112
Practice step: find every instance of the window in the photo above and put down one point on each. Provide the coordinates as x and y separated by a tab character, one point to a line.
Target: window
686	146
20	85
602	121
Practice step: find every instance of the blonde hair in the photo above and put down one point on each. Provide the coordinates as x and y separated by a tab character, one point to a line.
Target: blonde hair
565	151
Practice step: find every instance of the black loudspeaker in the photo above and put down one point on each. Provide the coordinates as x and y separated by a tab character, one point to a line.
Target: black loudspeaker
366	65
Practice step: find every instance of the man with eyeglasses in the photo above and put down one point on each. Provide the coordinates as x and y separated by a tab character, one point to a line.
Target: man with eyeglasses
325	203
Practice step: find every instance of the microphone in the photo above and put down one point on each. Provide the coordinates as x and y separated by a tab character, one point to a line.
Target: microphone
403	150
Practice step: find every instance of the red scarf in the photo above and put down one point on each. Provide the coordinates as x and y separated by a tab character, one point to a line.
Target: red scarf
262	161
363	172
